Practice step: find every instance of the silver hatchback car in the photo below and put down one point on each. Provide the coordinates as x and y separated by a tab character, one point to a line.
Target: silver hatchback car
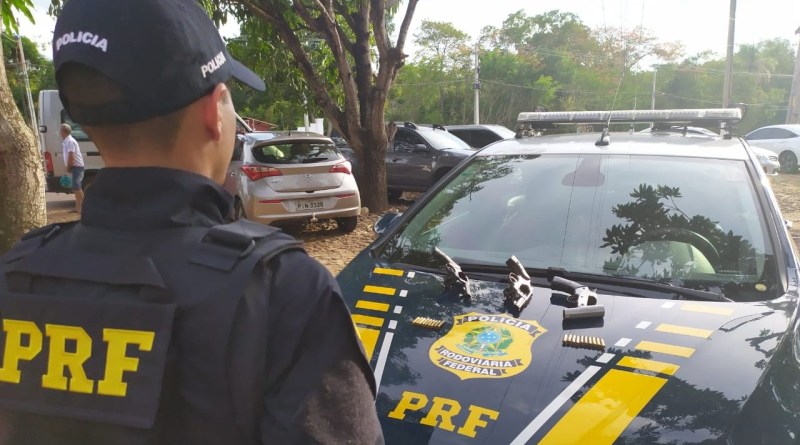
290	178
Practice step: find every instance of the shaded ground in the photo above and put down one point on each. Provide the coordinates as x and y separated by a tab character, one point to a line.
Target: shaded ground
324	242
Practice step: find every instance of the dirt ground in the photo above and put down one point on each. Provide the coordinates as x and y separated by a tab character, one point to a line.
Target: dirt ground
335	250
322	239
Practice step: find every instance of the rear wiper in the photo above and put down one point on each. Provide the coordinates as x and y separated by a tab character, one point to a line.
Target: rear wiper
455	278
641	283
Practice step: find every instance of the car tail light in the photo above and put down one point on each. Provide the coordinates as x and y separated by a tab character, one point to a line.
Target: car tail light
342	167
256	172
48	163
347	195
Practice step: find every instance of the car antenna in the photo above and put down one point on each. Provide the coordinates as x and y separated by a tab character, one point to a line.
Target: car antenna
605	136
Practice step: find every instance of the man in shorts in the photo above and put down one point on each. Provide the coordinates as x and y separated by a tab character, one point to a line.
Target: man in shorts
73	160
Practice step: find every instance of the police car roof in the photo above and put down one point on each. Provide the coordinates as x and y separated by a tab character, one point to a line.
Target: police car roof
664	144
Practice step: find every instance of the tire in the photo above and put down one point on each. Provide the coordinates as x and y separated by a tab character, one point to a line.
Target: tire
788	162
394	195
348	224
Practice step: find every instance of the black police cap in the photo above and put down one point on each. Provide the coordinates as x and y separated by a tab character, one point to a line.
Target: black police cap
162	54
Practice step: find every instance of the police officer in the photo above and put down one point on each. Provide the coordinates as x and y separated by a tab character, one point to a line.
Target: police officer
150	321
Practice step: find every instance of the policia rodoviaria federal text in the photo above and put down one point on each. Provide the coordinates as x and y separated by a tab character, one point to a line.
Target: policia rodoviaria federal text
150	321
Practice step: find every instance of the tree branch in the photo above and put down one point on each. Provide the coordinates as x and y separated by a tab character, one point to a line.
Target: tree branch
401	37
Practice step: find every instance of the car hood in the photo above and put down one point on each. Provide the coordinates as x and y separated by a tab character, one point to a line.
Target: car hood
649	371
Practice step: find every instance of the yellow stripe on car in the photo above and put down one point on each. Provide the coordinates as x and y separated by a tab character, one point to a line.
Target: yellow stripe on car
393	272
648	365
684	330
379	290
606	410
665	348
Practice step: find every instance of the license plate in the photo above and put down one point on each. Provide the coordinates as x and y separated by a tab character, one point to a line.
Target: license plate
309	205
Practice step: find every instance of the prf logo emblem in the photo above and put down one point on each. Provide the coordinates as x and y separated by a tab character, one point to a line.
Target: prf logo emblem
486	346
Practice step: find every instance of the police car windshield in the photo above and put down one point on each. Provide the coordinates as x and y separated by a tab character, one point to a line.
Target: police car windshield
621	215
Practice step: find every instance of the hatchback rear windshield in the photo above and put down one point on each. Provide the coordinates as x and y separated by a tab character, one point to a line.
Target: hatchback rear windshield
296	152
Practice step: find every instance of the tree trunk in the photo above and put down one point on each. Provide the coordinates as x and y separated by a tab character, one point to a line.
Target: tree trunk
371	174
22	200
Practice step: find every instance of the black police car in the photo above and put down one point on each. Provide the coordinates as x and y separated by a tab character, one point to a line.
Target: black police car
587	289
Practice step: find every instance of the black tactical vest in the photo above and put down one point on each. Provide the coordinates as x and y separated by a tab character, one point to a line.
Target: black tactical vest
115	337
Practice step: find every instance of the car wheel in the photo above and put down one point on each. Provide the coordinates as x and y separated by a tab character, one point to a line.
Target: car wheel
394	195
348	224
788	162
238	210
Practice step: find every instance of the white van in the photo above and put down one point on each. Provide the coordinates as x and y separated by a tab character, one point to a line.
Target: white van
51	116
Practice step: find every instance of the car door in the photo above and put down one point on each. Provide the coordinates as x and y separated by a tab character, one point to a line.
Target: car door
408	161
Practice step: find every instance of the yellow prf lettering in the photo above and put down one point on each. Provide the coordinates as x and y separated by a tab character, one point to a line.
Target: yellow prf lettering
410	401
59	359
474	420
438	411
14	351
442	412
116	360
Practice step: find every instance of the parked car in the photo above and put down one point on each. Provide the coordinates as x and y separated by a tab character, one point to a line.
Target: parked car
586	289
418	156
480	135
783	140
769	160
290	178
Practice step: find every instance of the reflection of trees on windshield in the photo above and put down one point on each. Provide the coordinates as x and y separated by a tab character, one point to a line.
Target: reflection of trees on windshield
426	230
654	216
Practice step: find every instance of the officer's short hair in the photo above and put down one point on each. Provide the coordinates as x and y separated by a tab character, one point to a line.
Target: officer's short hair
66	129
86	86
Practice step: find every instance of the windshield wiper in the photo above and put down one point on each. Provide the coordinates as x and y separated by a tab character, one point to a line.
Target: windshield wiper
641	283
455	278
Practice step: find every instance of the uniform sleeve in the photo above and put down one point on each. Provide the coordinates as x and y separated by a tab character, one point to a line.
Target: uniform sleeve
319	386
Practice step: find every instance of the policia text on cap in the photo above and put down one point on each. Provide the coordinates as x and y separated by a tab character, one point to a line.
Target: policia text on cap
150	321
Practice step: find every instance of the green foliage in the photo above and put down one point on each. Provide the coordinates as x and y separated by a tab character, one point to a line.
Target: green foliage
554	60
12	9
40	71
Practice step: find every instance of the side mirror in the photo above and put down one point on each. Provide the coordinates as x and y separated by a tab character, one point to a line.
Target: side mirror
42	128
420	148
384	222
788	224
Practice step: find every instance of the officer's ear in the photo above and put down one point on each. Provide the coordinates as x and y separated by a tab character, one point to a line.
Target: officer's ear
214	111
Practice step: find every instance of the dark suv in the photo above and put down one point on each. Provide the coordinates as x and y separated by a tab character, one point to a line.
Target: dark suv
418	156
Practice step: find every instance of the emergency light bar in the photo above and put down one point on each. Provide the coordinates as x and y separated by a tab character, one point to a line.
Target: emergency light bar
546	119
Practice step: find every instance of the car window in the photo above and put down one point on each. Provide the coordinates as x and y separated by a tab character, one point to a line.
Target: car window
464	135
770	133
781	133
443	140
622	215
482	138
77	131
296	152
405	141
504	132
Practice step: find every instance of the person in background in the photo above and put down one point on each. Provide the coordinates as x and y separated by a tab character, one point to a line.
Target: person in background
73	160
